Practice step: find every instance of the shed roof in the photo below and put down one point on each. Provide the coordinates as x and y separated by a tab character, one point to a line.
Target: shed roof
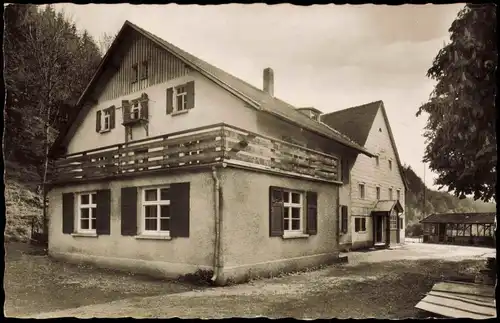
483	218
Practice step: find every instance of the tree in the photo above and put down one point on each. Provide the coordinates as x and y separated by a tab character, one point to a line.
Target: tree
460	130
47	65
105	42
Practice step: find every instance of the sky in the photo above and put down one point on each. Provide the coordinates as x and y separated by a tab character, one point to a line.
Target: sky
330	57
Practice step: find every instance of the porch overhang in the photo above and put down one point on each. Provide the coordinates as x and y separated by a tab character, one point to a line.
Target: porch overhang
386	206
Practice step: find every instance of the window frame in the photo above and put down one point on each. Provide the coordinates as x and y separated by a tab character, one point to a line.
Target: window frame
291	205
106	116
135	107
158	203
92	207
135	73
360	224
183	95
393	222
362	192
144	70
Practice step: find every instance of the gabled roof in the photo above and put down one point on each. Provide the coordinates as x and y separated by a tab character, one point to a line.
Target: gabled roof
356	122
254	96
468	218
387	206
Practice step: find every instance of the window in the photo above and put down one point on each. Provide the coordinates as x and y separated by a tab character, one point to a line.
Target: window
393	222
378	192
106	120
360	224
144	70
398	194
135	73
134	110
87	205
362	191
181	98
292	215
390	164
156	210
390	194
377	160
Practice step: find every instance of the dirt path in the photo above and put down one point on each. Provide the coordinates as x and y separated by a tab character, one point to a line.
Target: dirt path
381	284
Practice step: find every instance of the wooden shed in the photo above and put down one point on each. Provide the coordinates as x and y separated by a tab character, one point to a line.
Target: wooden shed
460	228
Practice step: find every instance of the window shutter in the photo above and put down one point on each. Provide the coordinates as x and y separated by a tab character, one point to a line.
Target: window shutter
344	219
126	110
179	210
129	211
190	94
363	224
356	224
170	100
275	211
144	106
112	116
103	212
98	121
312	213
68	216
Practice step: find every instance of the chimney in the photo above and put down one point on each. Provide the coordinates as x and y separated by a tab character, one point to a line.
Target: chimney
269	81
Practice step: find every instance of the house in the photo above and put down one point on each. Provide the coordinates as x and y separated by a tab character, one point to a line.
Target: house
460	228
171	165
374	215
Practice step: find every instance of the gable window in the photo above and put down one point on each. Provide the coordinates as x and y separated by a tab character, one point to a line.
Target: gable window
377	160
398	194
359	224
390	194
180	98
135	73
106	120
362	191
144	70
156	211
135	110
377	189
87	206
390	164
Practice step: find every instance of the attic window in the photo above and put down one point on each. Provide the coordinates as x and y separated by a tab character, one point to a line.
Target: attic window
144	70
135	73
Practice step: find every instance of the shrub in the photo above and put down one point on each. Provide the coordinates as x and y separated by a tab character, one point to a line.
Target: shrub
414	230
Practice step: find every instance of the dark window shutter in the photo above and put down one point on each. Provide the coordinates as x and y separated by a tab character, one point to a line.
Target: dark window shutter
190	94
170	100
98	121
312	213
112	112
103	212
144	102
344	219
126	110
275	211
129	211
356	224
68	216
363	224
179	210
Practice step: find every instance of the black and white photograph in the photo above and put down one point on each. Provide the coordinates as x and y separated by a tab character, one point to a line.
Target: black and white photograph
322	161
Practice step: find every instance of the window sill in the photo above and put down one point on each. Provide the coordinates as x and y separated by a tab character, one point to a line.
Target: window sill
105	131
176	113
87	235
153	237
295	236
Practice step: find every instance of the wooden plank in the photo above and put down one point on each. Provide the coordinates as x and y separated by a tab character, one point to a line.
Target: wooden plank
457	308
202	158
478	300
462	288
209	135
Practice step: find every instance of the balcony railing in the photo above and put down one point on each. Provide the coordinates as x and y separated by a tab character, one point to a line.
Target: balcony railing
213	144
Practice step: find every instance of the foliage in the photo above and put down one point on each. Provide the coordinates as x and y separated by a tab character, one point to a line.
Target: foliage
460	130
414	230
435	201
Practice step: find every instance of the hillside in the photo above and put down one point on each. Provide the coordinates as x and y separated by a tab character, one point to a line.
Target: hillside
436	201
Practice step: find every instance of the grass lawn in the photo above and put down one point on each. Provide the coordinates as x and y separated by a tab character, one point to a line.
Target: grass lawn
35	283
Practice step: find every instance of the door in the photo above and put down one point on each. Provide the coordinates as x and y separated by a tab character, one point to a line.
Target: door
442	231
378	229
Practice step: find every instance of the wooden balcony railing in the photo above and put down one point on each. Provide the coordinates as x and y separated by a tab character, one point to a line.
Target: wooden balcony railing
206	145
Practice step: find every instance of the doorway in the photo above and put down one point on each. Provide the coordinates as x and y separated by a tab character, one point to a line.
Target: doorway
379	229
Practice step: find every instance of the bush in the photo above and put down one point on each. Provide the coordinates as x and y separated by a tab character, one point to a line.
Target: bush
414	230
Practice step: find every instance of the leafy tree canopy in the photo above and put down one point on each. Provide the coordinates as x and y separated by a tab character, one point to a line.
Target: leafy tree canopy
460	130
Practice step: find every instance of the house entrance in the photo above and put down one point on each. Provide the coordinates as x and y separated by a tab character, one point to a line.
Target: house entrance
379	227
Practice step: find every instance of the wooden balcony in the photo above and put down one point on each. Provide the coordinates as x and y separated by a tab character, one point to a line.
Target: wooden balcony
215	144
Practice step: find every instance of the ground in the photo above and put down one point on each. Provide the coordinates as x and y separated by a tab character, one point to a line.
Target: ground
381	284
